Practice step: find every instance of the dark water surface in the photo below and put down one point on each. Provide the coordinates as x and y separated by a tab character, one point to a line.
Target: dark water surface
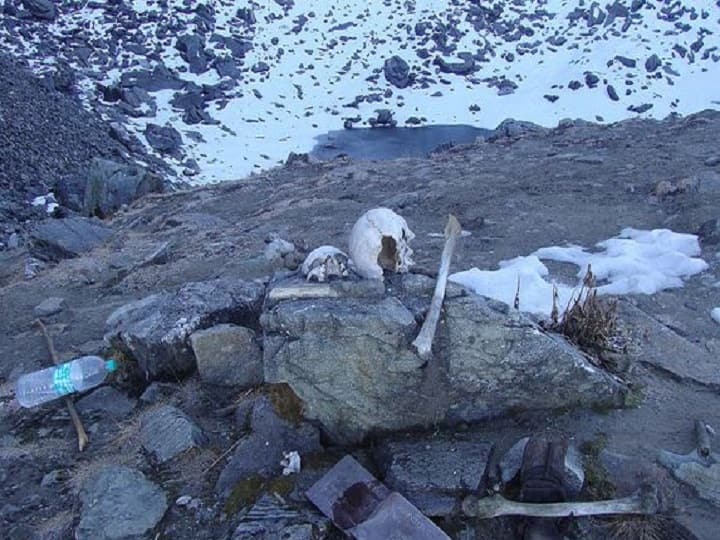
391	143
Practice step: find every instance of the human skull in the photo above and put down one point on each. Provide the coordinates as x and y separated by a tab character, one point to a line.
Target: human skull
325	262
380	240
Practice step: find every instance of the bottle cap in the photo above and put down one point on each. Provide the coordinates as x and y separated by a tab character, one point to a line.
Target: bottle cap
111	365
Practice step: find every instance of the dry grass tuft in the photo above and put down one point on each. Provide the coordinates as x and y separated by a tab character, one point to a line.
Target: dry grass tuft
644	528
590	322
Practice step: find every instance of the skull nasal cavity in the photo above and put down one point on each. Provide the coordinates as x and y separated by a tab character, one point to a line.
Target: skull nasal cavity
388	254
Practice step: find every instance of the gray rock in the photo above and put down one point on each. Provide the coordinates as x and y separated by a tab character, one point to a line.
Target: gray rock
663	348
41	9
260	452
434	473
55	239
49	306
192	50
702	473
499	363
156	330
228	355
269	519
107	401
137	102
54	477
707	182
466	67
119	503
166	432
712	161
612	93
13	241
350	362
111	185
383	118
625	61
166	140
652	63
639	109
515	128
709	232
156	391
397	72
628	474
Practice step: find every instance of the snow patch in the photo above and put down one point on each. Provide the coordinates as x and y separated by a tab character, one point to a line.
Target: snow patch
634	262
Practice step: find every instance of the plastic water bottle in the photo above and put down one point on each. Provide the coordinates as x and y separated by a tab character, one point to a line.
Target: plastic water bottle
45	385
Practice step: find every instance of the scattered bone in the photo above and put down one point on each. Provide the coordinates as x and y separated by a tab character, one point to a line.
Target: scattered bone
644	501
700	468
380	240
324	263
423	342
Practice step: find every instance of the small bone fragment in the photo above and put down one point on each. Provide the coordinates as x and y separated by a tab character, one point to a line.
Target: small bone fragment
423	342
644	501
325	262
703	439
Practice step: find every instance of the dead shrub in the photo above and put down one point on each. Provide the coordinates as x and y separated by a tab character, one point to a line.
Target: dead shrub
590	322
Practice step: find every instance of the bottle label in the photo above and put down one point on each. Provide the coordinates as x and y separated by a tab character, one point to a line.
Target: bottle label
62	384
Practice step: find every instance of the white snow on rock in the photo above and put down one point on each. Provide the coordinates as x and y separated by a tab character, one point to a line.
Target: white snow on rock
312	64
715	314
634	262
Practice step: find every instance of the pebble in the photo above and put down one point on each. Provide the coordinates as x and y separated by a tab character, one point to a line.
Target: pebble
49	306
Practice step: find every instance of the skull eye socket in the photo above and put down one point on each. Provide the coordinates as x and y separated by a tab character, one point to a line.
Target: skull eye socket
387	258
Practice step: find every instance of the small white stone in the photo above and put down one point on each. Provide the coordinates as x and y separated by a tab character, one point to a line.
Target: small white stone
715	314
183	500
290	463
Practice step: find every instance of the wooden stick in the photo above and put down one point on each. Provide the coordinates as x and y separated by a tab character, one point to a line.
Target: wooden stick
83	439
644	501
423	342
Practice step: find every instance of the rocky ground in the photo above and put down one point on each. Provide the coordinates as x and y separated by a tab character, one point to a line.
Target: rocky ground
47	144
196	82
174	454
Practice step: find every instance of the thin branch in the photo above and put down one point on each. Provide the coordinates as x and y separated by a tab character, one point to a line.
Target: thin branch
83	439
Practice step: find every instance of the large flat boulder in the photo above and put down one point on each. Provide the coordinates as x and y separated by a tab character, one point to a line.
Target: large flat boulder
434	473
55	239
660	346
350	361
156	330
111	185
228	355
498	362
119	503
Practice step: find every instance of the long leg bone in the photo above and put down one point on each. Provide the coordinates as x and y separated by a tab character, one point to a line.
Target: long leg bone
644	501
423	342
79	428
